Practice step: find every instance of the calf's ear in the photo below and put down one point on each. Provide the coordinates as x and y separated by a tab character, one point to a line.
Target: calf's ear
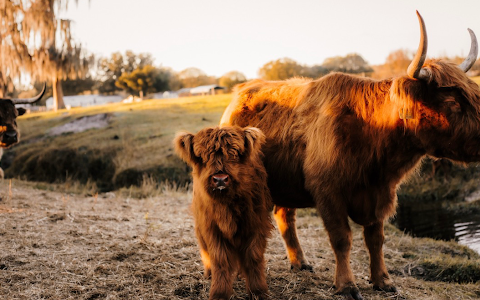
183	143
254	139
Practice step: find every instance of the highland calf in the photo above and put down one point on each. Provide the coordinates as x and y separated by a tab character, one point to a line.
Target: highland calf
9	133
231	205
343	144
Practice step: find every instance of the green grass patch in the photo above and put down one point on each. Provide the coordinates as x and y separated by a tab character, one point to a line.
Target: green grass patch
136	143
448	269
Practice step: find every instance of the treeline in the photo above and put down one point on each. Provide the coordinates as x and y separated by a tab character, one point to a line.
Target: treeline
136	74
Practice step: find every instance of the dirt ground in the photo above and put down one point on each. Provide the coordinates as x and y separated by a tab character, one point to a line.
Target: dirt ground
57	245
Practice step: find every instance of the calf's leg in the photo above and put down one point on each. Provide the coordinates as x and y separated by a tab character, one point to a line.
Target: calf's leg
252	264
285	218
223	263
207	269
374	238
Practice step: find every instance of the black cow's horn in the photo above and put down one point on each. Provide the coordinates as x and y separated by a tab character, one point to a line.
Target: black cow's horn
415	68
30	100
472	56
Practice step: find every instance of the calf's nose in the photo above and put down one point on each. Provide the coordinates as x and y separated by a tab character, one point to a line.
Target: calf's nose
220	181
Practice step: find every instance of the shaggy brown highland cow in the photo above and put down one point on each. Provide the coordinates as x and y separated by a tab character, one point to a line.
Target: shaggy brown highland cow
231	205
343	144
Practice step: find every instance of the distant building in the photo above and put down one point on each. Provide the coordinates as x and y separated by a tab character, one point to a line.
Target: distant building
85	100
185	92
206	90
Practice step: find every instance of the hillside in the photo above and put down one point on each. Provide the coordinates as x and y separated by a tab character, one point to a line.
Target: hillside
109	146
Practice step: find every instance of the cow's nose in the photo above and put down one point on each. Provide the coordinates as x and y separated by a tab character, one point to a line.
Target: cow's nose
10	137
220	181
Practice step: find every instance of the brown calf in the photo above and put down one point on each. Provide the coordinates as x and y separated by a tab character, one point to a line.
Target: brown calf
231	205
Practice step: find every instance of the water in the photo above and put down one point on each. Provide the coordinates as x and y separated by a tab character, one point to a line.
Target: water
432	220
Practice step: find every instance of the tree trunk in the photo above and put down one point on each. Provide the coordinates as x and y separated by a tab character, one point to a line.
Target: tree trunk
57	94
141	94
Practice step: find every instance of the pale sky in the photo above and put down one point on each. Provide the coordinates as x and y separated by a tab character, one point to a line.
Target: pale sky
218	36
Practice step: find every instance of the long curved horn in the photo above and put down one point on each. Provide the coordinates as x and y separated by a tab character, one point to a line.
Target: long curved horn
30	100
415	66
472	56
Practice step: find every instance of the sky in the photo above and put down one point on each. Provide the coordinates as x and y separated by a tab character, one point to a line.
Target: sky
218	36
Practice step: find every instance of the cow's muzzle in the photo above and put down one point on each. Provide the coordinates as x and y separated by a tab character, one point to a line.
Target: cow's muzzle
220	181
9	138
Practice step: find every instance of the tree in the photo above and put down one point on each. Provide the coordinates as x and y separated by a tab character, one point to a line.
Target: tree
78	86
146	79
231	79
36	42
281	69
475	70
110	69
315	71
193	77
351	63
396	64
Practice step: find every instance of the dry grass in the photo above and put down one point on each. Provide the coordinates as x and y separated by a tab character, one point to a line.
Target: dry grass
58	245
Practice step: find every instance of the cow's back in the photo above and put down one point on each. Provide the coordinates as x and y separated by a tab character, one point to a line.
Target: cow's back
273	107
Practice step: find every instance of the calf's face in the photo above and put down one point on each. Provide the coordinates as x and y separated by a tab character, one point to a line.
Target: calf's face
9	133
221	158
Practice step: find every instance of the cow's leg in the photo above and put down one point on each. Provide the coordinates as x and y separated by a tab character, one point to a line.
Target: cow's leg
340	234
207	271
285	218
223	263
2	175
374	238
252	264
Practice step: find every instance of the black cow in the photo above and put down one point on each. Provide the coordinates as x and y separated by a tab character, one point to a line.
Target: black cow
9	133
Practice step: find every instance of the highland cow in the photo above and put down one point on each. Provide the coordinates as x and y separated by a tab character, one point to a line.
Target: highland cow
231	205
9	133
343	144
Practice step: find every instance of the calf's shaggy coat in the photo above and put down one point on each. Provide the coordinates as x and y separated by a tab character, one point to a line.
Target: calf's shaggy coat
231	205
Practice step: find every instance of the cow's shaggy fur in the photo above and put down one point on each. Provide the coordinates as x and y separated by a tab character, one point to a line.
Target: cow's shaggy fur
232	220
343	144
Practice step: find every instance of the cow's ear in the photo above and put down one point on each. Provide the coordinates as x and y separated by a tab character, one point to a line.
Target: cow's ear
254	139
184	147
21	111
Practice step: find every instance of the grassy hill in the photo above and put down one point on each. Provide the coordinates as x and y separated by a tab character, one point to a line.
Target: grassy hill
135	144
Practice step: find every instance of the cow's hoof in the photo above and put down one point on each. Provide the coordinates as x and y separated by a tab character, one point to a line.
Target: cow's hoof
302	267
350	293
387	288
